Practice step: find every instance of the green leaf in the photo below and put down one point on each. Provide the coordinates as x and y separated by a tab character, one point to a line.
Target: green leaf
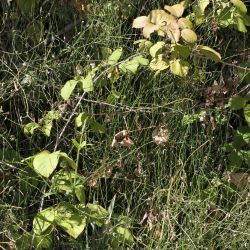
27	5
86	83
46	129
240	6
235	160
129	66
66	158
97	214
133	64
78	145
189	35
70	219
225	17
237	102
209	53
244	132
30	128
247	114
105	52
115	56
200	6
45	163
179	67
141	60
158	64
44	220
67	89
47	121
178	50
96	126
81	118
185	23
156	48
69	182
80	194
240	24
124	235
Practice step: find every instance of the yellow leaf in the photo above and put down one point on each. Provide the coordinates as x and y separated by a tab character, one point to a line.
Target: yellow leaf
140	22
175	10
189	35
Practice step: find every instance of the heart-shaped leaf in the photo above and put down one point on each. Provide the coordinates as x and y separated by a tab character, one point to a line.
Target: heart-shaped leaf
158	64
115	56
209	53
67	89
70	219
179	67
45	163
156	48
86	83
43	220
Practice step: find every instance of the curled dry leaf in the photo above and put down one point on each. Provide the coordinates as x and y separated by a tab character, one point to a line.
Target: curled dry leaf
160	135
122	139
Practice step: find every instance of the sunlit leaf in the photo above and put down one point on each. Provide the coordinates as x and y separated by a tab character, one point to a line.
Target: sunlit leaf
240	24
30	128
96	214
158	64
81	118
200	6
239	5
45	163
156	48
209	53
86	83
178	50
175	10
123	235
185	23
70	220
148	29
115	56
179	67
67	89
44	220
173	31
140	22
189	35
160	17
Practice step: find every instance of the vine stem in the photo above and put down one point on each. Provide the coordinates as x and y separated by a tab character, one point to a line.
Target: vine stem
59	138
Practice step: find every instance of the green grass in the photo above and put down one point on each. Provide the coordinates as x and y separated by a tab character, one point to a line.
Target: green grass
178	182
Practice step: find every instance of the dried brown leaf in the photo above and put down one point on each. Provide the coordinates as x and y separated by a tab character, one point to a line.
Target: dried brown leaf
122	139
160	135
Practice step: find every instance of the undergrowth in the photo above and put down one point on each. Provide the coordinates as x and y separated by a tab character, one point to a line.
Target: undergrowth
176	196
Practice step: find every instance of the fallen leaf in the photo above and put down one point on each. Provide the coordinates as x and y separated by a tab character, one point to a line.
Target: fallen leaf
160	135
122	139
